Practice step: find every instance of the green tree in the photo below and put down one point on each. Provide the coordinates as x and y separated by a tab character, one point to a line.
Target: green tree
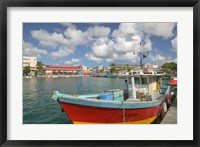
113	70
170	67
26	70
128	68
39	67
113	65
36	73
101	71
173	66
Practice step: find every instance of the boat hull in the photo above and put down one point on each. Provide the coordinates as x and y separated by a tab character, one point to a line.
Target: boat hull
82	114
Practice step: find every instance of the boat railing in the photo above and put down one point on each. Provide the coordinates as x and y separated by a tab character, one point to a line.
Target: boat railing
60	95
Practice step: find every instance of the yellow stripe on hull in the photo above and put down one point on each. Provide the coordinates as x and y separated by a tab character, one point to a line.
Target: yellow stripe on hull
145	121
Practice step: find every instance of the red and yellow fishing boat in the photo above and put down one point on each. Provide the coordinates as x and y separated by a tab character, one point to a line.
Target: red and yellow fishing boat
144	104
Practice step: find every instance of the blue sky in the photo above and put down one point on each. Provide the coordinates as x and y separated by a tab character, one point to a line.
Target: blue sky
93	44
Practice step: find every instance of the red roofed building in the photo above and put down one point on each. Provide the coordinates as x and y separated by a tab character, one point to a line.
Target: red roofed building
65	70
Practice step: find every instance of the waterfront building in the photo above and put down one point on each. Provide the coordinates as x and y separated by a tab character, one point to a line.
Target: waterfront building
100	68
94	69
123	66
65	70
154	68
30	61
90	70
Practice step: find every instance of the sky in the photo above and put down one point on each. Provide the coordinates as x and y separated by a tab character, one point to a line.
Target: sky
93	44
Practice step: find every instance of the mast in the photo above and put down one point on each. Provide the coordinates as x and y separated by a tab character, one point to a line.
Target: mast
142	56
141	53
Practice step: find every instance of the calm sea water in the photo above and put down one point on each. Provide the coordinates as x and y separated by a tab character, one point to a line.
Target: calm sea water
38	108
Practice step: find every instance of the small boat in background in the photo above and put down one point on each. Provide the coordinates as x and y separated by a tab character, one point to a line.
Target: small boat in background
165	83
173	81
28	77
173	85
55	76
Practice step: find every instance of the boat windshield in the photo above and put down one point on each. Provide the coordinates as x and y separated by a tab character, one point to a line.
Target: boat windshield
140	80
144	80
165	82
163	90
137	80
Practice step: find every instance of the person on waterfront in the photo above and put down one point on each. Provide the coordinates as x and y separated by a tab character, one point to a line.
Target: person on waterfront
125	90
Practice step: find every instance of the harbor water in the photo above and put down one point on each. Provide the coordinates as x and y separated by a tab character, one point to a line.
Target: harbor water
38	108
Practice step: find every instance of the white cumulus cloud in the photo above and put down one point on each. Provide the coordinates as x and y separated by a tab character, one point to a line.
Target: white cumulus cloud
47	39
164	30
73	61
125	30
174	44
63	51
120	45
102	48
159	59
103	43
30	50
125	57
75	37
91	57
67	24
98	31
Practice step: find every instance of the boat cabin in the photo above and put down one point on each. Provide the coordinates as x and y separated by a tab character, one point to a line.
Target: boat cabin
144	86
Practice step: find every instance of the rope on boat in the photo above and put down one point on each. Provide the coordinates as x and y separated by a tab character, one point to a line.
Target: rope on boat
123	113
124	116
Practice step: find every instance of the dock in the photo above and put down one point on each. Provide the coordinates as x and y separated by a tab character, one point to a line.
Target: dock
171	115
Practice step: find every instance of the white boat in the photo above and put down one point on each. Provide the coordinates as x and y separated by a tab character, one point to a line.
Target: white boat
55	76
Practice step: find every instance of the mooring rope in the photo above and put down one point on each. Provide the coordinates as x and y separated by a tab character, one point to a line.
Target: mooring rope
123	114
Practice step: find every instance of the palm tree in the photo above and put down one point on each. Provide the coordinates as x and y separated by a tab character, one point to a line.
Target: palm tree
39	67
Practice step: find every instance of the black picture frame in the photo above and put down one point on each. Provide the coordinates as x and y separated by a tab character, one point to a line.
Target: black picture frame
4	4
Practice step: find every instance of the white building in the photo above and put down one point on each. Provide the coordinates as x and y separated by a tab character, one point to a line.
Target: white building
152	66
84	67
100	67
30	61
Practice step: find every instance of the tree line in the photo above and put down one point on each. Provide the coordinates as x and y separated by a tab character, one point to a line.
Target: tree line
39	67
168	68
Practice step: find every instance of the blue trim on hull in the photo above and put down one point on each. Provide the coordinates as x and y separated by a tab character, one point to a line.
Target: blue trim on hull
110	104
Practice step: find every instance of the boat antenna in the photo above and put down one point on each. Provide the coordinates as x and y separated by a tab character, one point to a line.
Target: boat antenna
141	53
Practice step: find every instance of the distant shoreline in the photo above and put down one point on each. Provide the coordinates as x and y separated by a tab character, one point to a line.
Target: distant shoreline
55	76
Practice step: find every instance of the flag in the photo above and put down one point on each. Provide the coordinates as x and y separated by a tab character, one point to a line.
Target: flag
144	56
